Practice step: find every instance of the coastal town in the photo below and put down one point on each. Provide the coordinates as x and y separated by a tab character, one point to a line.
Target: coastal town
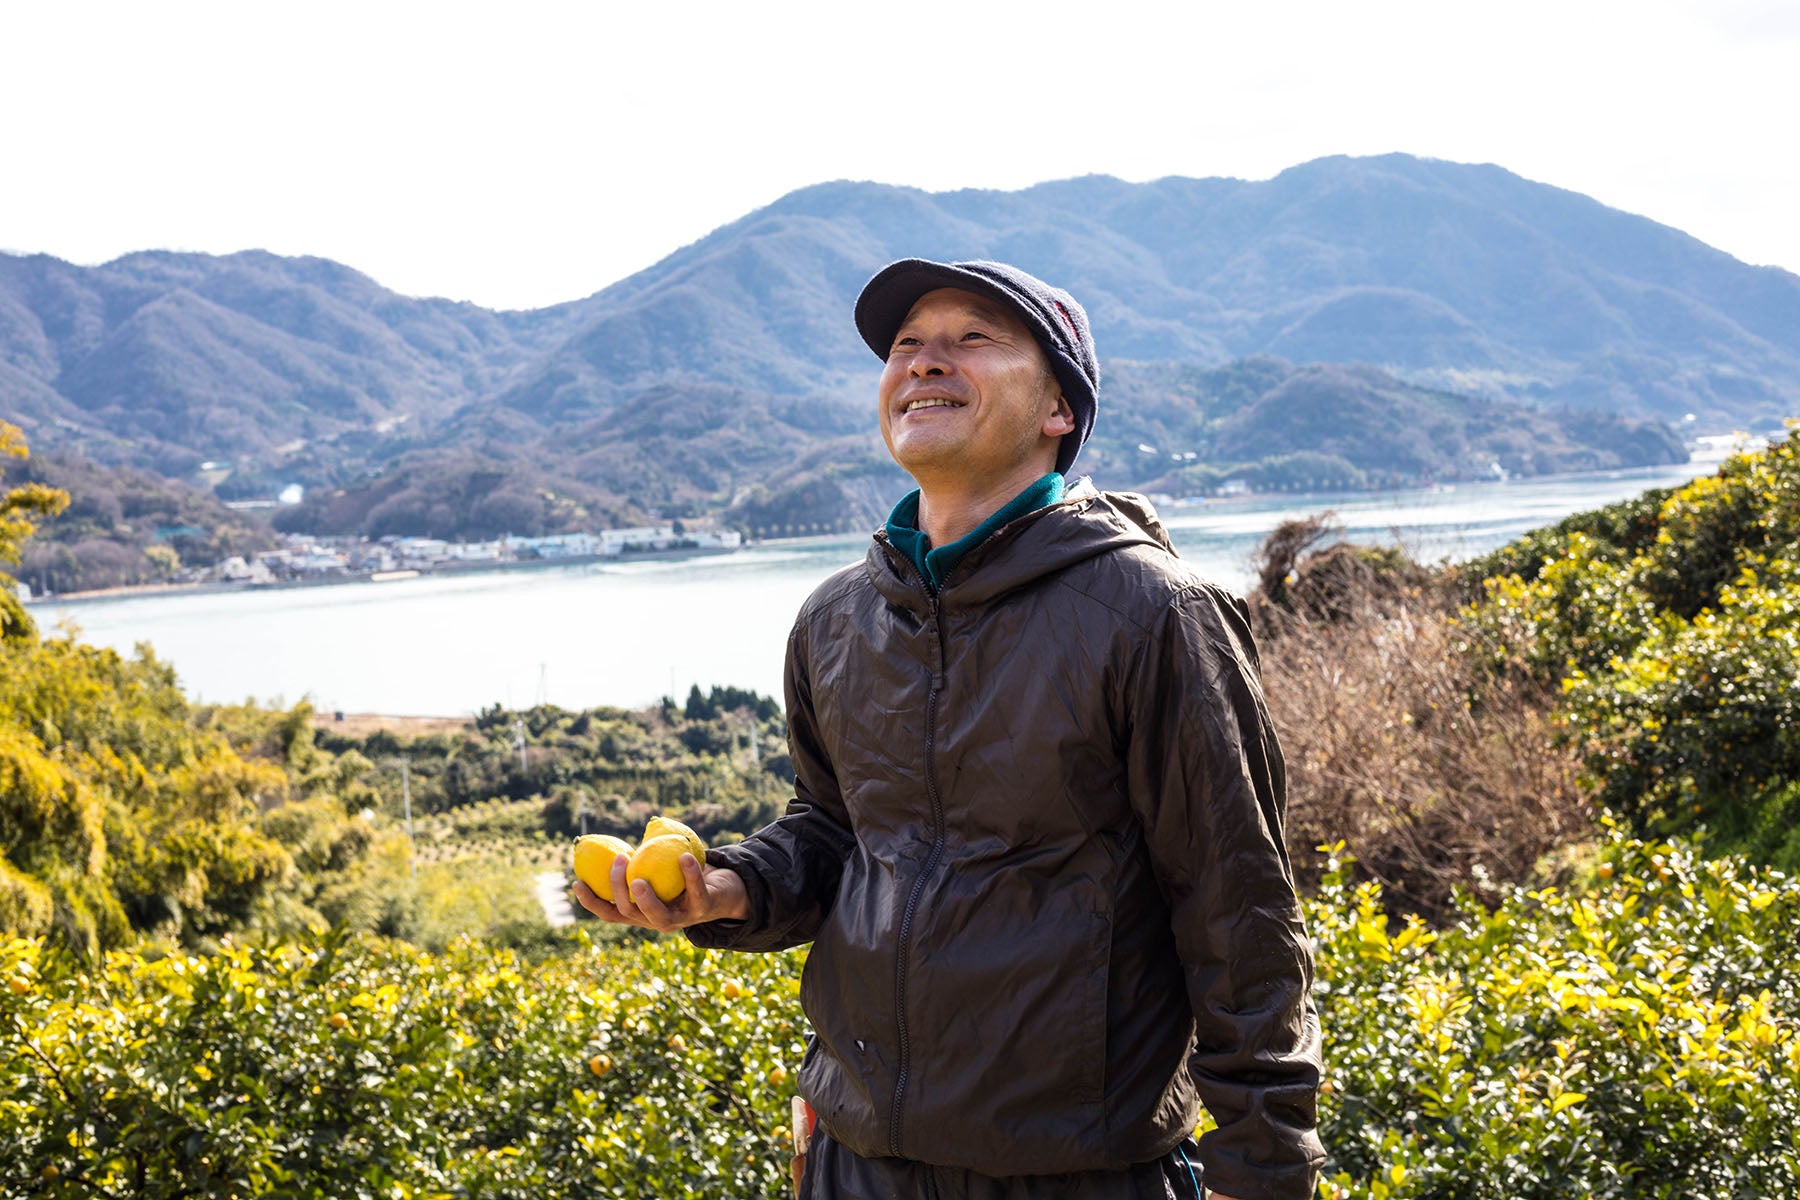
307	559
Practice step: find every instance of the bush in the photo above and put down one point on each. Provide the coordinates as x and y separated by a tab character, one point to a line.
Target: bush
1395	735
341	1066
1637	1038
1697	721
1679	662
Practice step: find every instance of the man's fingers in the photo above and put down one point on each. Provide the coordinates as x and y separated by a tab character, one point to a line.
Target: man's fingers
590	900
635	903
657	915
584	896
693	875
621	891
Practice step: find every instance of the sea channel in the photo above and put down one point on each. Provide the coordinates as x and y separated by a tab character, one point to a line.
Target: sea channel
626	633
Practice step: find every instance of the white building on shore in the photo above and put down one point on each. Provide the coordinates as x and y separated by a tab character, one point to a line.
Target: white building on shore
559	545
236	570
657	538
422	552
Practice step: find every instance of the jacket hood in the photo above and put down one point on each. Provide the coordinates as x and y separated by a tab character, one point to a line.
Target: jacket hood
1085	523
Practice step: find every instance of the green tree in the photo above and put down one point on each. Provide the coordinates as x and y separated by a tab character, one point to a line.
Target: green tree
1673	632
164	560
18	507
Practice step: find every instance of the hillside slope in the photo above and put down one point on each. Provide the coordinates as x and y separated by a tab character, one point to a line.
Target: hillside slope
1456	275
732	365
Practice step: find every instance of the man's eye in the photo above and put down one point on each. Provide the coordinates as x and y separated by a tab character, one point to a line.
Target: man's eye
973	333
905	341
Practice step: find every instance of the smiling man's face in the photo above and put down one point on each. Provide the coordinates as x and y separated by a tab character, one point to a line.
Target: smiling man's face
968	395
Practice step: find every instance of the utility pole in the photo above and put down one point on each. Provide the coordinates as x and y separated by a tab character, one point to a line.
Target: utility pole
412	862
519	741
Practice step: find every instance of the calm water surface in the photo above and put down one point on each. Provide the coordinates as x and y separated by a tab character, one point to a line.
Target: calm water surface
626	634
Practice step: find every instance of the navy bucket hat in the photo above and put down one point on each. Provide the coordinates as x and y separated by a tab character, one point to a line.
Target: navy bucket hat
1053	316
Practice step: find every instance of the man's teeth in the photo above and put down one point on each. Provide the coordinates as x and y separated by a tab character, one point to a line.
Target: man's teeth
916	405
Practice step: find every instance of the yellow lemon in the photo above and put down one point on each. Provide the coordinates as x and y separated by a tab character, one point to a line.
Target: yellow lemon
663	826
777	1075
594	854
600	1064
658	860
337	1020
19	986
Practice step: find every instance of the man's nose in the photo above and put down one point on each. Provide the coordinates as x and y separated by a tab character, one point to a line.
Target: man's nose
931	358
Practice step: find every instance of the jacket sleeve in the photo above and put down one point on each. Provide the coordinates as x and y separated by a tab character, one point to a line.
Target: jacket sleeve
1208	784
791	867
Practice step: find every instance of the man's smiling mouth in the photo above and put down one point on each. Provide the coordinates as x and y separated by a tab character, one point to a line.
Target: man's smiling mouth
930	402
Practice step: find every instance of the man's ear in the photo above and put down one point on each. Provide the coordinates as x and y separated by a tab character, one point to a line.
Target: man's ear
1061	419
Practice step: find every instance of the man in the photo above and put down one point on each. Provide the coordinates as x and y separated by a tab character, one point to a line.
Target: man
1036	833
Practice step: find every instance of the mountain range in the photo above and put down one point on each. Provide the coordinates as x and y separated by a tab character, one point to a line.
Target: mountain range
1431	318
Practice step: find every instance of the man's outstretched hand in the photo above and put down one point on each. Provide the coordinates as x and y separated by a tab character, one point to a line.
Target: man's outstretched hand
712	894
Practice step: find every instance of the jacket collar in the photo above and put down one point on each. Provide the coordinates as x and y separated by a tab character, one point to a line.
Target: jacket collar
1084	524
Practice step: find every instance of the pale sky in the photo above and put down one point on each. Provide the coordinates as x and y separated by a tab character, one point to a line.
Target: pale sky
522	154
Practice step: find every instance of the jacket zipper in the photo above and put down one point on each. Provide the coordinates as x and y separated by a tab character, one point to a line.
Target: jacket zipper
912	900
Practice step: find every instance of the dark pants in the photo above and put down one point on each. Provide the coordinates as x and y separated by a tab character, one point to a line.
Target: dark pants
833	1173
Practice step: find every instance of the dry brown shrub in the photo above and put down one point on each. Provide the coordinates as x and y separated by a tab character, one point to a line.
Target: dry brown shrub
1398	740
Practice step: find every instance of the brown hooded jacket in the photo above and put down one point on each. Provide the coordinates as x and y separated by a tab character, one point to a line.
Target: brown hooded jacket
1036	844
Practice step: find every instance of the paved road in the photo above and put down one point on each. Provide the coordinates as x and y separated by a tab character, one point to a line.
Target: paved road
553	894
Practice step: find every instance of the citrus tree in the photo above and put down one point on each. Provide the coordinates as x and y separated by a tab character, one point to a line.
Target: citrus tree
18	508
338	1065
1636	1036
1675	641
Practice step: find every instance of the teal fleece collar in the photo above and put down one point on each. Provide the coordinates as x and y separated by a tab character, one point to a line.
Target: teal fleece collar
934	565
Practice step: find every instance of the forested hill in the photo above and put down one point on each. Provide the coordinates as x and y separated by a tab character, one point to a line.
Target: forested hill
1550	323
165	359
1467	276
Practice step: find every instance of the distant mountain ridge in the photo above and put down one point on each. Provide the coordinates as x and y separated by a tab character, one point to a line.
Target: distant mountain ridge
1459	274
1444	277
161	357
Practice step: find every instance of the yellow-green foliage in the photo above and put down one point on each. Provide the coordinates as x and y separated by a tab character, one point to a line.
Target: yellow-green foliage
117	808
1716	527
1639	1037
1680	661
122	809
17	508
126	812
1635	1037
335	1066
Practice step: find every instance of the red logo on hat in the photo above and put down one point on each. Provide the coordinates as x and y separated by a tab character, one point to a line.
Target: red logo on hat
1069	319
